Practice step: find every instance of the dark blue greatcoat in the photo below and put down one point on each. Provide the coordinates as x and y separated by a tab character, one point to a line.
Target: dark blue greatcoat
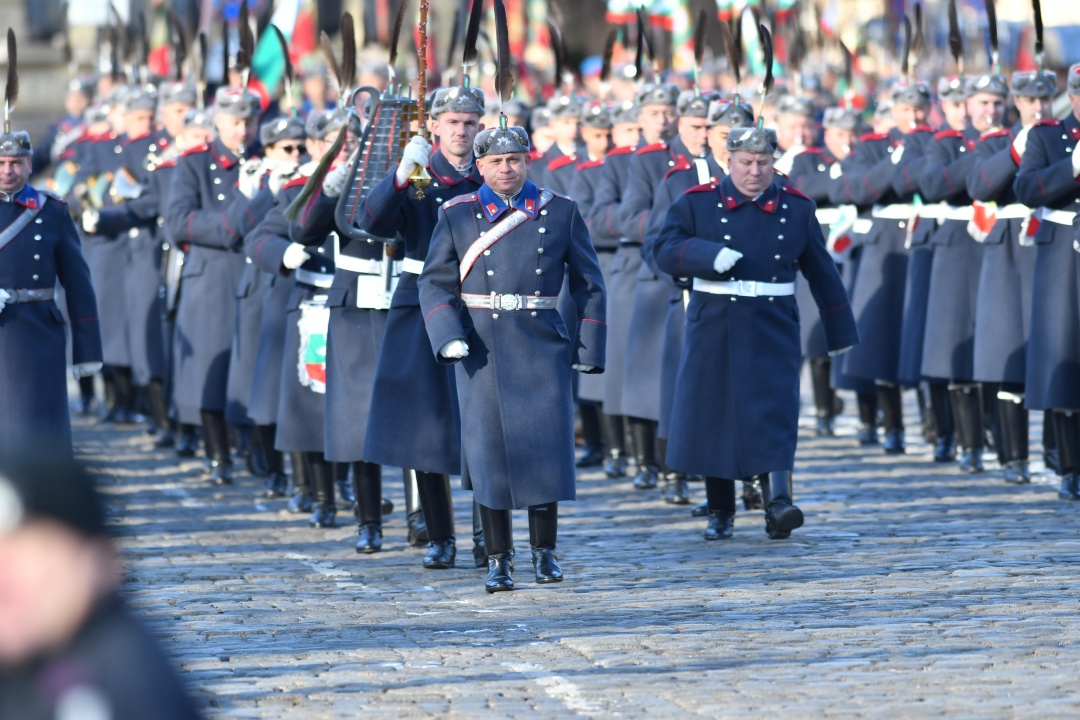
736	408
251	293
203	208
949	345
262	403
621	277
137	222
515	385
1006	281
1045	179
33	377
878	298
107	255
414	409
648	303
354	338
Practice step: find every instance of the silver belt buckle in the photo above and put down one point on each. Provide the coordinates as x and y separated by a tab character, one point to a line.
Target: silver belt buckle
507	302
748	288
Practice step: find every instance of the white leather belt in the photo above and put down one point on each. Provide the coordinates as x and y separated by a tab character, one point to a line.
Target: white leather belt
933	212
319	280
1012	212
827	216
508	302
953	212
896	211
31	295
744	288
363	266
1058	217
412	266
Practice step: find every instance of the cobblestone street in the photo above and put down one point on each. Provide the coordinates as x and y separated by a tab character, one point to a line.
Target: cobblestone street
912	591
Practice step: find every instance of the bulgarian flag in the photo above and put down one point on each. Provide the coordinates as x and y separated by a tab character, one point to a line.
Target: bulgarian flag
296	21
725	10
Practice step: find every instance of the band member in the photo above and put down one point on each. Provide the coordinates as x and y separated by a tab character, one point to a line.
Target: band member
488	293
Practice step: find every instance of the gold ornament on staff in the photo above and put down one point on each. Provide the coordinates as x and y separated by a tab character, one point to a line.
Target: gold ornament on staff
420	178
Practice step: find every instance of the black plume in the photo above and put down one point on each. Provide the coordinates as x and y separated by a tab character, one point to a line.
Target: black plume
917	43
1036	5
348	52
289	73
699	38
849	69
646	34
11	88
459	21
144	43
956	42
639	57
609	51
247	39
200	72
225	52
65	36
181	43
558	50
331	59
991	21
767	50
472	33
504	78
905	64
732	52
395	37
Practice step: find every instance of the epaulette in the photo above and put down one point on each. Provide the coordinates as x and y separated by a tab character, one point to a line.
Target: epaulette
590	164
468	197
873	136
51	195
706	187
624	150
949	134
560	195
561	162
792	191
195	150
1049	121
681	164
100	137
294	183
923	128
535	155
138	138
810	151
171	162
999	133
652	148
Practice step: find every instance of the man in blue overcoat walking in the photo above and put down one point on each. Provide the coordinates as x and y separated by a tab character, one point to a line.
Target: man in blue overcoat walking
488	292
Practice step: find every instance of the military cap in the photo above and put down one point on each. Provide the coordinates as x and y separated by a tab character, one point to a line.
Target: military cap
794	105
596	115
196	118
281	128
883	109
541	117
1034	83
726	112
951	89
916	94
141	98
752	140
625	112
658	94
457	100
98	112
987	83
564	106
1074	80
693	104
49	487
16	144
84	85
501	141
237	102
841	118
177	93
321	123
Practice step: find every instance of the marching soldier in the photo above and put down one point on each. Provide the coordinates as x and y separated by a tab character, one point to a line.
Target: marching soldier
203	208
795	128
742	241
488	292
1047	179
555	167
1006	280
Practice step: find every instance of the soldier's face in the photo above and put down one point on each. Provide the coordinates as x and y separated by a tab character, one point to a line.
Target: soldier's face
656	122
718	135
840	141
908	117
986	111
626	134
14	172
1074	103
693	131
232	131
1032	110
794	130
566	130
956	114
596	140
172	117
456	132
505	174
751	173
139	123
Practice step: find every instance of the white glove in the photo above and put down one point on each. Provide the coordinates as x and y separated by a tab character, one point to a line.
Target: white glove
583	368
1076	163
85	369
416	154
295	256
334	182
455	350
4	297
788	159
90	218
897	154
841	351
280	175
725	260
250	179
1019	144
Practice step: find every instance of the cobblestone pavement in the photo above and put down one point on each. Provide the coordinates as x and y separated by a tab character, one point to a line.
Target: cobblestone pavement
912	591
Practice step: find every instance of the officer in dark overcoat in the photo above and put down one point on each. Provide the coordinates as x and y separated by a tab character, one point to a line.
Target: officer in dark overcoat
736	407
414	412
563	121
1047	179
203	210
1006	280
602	218
948	350
39	247
488	292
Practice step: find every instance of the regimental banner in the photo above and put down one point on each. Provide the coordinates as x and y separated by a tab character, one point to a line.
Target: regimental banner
313	324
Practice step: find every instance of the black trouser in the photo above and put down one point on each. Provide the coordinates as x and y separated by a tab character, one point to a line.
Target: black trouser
967	407
820	379
499	534
159	404
891	402
216	436
643	433
591	431
264	437
614	429
1067	436
321	478
367	486
1013	423
720	494
941	410
437	502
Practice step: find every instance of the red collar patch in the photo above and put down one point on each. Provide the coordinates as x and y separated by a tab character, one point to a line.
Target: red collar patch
492	208
530	205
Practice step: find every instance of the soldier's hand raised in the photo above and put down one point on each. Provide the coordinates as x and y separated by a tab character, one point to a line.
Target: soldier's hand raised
416	154
90	219
334	182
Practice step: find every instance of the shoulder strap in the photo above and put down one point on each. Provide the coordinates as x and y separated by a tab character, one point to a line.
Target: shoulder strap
12	231
704	177
495	234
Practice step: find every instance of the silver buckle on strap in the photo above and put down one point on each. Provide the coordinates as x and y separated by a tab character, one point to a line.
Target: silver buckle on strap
748	288
507	302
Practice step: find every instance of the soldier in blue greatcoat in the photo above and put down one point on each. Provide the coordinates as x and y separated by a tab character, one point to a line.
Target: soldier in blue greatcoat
1007	276
1048	179
736	405
488	291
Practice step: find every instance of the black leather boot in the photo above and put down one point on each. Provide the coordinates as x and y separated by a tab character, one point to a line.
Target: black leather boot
676	484
86	396
721	525
438	507
159	405
479	550
344	486
892	413
591	434
614	440
1067	436
499	538
499	578
277	482
216	435
187	444
125	396
967	409
249	446
301	500
1013	423
414	511
701	510
721	500
944	425
781	514
926	418
324	515
751	493
868	424
108	382
644	435
1049	442
543	534
824	395
367	488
